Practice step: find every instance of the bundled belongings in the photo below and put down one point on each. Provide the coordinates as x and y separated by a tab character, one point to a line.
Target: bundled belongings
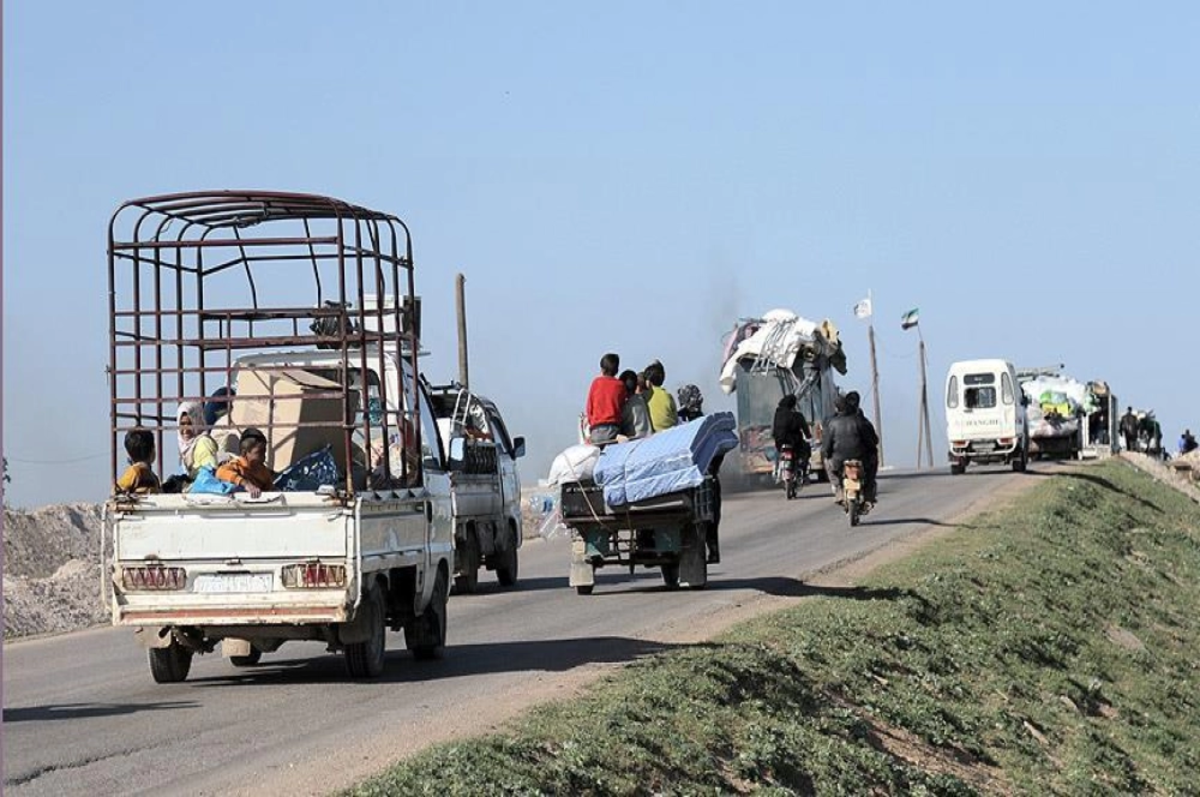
575	464
785	339
1056	404
670	461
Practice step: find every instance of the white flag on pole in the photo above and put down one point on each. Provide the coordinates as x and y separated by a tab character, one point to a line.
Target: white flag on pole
863	308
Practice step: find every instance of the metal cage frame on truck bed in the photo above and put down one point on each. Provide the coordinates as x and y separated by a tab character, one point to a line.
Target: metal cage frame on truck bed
173	262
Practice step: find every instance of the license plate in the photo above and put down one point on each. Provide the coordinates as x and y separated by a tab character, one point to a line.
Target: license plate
234	582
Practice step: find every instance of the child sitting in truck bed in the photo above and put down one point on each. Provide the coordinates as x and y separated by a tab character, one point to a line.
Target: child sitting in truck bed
249	471
139	478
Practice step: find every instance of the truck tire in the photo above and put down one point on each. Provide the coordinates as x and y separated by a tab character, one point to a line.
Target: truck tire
365	659
957	469
170	665
585	589
670	575
467	581
1020	463
426	635
506	568
254	657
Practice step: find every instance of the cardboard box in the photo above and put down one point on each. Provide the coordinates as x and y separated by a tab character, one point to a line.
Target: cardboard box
275	401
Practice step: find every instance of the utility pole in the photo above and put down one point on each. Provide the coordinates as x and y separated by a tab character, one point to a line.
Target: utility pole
875	390
866	309
460	293
924	422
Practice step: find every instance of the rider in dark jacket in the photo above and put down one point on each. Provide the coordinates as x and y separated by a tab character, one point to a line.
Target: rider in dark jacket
849	435
790	428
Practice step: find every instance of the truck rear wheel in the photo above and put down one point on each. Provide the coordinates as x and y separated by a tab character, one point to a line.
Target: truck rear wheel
1020	462
426	635
957	469
506	570
249	660
365	659
467	579
171	664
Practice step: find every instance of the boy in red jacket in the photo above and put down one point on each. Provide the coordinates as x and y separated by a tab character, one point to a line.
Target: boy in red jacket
605	400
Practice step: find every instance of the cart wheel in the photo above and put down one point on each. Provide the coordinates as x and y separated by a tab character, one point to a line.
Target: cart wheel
585	589
670	574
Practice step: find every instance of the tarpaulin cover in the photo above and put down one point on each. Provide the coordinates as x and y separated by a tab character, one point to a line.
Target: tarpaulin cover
665	462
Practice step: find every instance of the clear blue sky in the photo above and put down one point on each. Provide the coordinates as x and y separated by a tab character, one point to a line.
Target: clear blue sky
631	177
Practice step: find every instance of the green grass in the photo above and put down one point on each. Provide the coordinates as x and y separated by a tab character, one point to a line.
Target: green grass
1048	649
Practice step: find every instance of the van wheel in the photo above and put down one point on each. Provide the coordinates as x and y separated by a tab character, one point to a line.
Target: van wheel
506	568
171	664
468	578
585	589
426	635
957	469
365	659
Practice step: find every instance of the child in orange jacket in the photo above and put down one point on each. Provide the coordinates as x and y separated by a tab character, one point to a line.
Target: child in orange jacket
249	471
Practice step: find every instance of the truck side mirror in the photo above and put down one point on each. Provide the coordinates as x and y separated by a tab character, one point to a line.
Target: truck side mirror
458	452
518	447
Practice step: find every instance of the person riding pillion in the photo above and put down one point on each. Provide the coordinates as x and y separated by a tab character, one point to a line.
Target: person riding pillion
849	435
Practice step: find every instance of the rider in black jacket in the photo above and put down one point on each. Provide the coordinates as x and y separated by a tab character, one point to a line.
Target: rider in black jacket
849	435
790	428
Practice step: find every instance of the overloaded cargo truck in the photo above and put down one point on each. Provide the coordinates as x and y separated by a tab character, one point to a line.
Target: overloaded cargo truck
356	534
768	358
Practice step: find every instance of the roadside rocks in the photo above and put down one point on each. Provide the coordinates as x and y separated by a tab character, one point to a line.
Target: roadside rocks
52	569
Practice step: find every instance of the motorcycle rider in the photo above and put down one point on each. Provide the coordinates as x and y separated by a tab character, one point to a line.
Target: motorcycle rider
789	427
849	435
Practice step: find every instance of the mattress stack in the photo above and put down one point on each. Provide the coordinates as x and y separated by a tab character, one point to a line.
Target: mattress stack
665	462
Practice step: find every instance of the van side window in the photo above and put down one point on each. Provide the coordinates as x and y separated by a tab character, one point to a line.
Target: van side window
1006	389
952	393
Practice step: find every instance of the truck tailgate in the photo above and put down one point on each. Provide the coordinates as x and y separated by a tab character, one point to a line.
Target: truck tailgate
182	527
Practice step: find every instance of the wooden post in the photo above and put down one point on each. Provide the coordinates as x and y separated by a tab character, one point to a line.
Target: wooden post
461	304
875	390
924	413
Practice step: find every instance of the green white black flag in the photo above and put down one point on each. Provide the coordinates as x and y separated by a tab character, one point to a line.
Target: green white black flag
909	319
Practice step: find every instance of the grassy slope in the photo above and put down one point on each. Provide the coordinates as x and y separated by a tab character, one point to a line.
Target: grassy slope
1049	649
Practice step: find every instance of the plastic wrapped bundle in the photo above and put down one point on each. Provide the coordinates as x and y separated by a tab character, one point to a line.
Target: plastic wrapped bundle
666	462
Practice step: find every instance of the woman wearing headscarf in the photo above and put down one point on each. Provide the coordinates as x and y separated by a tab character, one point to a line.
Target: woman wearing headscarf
197	449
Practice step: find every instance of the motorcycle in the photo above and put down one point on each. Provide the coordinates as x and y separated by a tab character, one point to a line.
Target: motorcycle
853	501
793	471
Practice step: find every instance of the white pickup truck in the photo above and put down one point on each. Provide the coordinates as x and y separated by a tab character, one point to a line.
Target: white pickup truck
362	546
484	483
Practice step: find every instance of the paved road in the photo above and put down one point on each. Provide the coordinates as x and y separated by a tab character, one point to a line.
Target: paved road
82	716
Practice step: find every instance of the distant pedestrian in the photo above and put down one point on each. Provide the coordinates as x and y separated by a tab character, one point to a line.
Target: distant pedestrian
606	398
1129	429
1187	443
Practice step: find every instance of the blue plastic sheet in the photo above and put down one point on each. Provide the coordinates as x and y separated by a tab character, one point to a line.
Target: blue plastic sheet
666	462
207	482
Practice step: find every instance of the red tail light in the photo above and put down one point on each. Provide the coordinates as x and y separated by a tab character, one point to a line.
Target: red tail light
314	575
1005	441
153	578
